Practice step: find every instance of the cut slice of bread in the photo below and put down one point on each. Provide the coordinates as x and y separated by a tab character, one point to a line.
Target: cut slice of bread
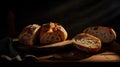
106	34
87	42
52	33
29	34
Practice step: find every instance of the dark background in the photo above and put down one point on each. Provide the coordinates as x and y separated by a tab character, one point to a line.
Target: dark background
74	15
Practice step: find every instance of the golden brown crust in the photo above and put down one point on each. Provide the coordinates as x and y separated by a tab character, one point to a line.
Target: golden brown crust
28	34
93	47
52	32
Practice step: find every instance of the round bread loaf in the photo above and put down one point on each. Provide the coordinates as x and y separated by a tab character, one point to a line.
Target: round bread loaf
52	33
87	42
29	34
106	34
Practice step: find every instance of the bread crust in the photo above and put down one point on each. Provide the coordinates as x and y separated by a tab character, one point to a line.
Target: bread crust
28	34
52	32
90	48
106	34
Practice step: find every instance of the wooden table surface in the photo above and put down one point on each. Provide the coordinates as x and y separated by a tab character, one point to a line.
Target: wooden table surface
108	53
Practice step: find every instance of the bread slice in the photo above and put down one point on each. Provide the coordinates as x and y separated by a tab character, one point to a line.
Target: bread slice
29	34
106	34
52	33
87	42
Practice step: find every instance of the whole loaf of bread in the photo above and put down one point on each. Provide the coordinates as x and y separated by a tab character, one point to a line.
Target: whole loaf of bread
29	34
52	32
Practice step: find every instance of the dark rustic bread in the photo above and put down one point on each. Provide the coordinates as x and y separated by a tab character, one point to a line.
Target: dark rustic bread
106	34
29	34
52	32
87	43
